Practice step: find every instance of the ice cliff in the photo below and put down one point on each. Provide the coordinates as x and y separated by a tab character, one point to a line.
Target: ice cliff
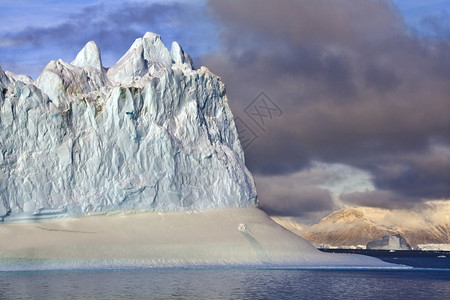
389	242
150	132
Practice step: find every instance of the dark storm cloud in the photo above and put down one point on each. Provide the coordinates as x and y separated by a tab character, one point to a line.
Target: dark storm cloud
355	85
294	195
297	194
305	200
425	175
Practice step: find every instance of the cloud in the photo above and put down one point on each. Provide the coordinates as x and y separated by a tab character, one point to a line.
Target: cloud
424	175
113	27
436	24
298	194
356	87
379	198
305	200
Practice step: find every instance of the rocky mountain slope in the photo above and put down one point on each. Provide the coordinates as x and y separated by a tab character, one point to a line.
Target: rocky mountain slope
429	223
150	132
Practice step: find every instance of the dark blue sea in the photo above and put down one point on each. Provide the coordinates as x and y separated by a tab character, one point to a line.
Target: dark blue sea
234	283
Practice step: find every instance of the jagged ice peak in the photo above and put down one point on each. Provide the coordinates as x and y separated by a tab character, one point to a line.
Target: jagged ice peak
150	132
89	56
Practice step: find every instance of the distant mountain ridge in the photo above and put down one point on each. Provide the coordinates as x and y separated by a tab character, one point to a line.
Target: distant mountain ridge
359	225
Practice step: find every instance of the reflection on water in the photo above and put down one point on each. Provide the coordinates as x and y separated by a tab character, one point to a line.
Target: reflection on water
227	284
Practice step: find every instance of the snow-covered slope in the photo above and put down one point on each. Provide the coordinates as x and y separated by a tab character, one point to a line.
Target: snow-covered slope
359	225
150	132
223	237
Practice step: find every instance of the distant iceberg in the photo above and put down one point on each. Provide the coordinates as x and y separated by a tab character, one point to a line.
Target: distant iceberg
389	242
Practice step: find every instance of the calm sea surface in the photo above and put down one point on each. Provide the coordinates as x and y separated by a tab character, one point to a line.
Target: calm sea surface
228	284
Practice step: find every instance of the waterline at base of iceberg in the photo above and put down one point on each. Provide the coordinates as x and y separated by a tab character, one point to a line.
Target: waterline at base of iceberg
13	265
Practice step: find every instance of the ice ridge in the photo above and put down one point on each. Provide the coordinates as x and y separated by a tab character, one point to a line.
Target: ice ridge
150	132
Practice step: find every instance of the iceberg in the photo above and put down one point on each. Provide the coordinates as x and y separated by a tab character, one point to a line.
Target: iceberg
134	166
149	133
389	242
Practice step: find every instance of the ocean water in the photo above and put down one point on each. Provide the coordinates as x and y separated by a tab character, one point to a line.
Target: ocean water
413	258
227	284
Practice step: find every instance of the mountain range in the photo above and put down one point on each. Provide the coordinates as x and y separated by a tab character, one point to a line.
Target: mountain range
429	223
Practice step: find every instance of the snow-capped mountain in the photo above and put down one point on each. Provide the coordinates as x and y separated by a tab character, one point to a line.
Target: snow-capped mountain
150	132
429	223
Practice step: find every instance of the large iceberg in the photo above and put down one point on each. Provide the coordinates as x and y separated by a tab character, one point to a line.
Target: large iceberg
151	133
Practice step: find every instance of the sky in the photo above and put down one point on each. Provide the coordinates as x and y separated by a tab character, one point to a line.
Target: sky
338	102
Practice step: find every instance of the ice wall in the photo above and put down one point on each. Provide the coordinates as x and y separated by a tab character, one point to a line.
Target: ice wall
150	132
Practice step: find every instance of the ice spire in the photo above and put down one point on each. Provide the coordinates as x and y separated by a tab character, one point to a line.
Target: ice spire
89	56
180	57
